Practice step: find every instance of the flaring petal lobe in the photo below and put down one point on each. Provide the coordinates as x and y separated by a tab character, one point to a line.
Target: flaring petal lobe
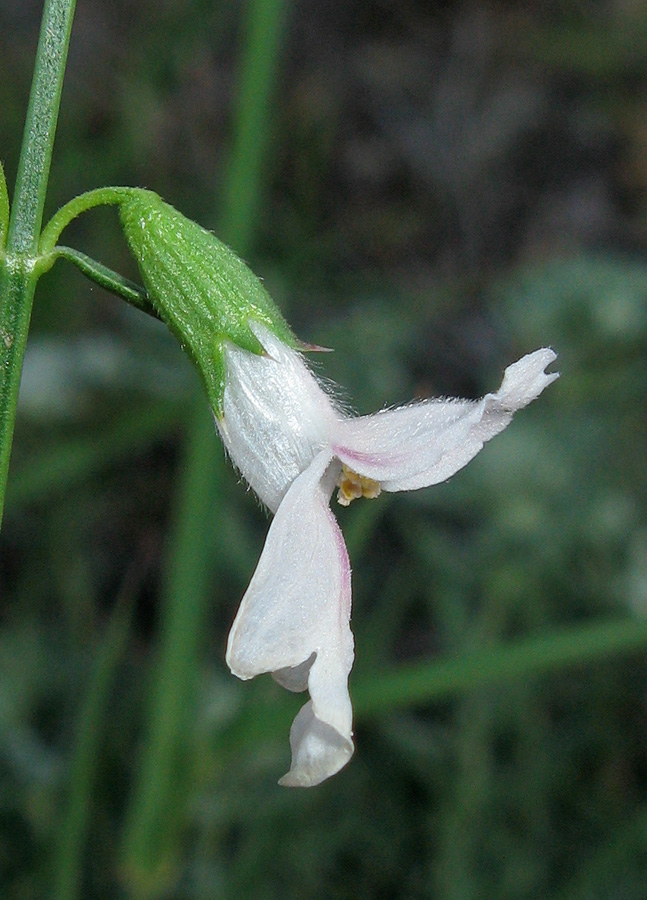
294	622
425	443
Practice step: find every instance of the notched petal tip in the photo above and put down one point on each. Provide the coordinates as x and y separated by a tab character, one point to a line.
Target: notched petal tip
425	443
524	380
318	750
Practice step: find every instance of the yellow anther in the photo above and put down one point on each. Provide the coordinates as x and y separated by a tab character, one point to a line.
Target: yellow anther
352	486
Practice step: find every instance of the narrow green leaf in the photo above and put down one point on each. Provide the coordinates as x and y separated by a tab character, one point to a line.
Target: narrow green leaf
442	678
109	280
243	190
528	657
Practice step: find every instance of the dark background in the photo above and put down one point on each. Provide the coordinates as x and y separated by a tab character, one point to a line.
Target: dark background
445	187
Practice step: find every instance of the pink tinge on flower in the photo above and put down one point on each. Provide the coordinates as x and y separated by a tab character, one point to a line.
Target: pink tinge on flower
294	622
294	446
425	443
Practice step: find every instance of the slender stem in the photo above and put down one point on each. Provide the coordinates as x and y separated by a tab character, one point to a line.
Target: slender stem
4	209
103	196
49	250
18	273
40	126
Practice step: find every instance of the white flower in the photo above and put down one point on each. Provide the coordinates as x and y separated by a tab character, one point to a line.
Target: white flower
294	446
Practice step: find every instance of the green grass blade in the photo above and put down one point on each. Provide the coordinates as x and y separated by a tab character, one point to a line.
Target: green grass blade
68	859
526	658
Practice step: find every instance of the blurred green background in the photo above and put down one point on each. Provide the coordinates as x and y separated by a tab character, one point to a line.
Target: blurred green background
432	189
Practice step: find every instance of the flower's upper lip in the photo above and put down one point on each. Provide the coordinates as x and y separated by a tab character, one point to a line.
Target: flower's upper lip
276	417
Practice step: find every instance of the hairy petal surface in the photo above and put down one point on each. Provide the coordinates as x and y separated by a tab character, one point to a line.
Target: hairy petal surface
276	417
425	443
294	622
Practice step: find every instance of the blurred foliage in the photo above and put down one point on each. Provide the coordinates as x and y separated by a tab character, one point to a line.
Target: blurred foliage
445	187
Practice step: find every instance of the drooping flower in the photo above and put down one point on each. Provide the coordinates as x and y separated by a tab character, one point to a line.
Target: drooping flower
294	446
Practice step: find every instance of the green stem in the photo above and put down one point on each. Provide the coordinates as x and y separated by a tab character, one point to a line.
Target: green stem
4	208
40	126
18	272
49	252
103	196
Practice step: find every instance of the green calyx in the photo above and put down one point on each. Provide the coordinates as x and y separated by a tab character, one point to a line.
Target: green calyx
198	286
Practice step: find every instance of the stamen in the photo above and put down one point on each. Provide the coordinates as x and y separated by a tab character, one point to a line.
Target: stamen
353	486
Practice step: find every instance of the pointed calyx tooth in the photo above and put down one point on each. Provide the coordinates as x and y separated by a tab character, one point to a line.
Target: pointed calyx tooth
204	293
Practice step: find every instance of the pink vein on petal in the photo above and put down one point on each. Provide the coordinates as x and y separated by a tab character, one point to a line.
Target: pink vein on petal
368	458
344	564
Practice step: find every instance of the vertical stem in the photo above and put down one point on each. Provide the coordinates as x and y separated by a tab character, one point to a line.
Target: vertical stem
17	286
17	272
40	126
4	209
